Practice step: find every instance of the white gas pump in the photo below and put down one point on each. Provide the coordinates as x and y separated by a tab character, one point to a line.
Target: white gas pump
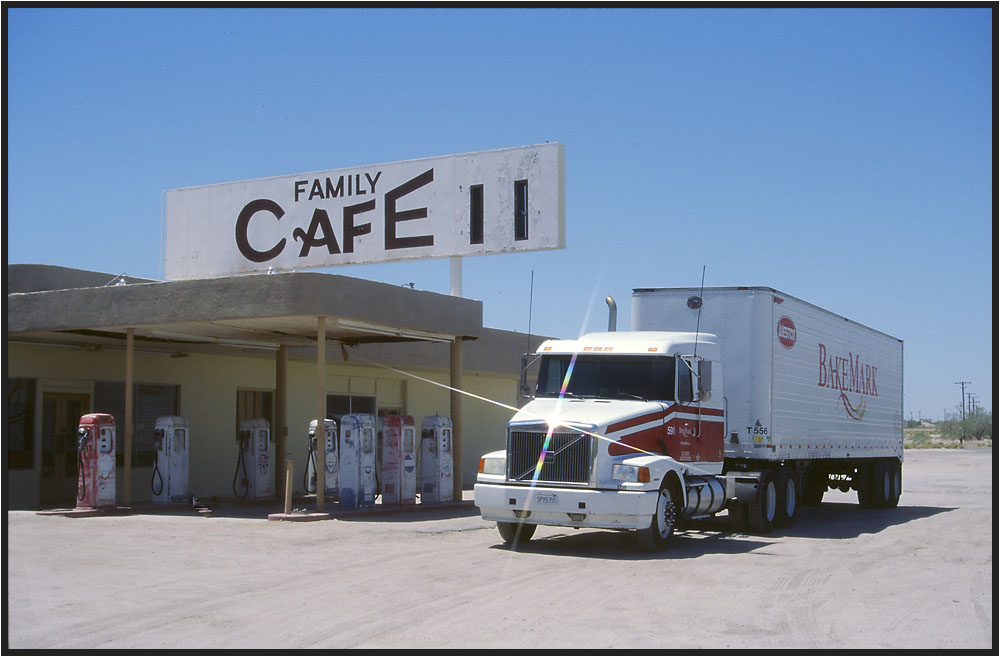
435	460
357	460
170	460
95	482
253	478
332	459
399	460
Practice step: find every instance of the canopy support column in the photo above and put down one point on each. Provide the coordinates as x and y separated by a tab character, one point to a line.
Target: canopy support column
320	412
129	420
281	416
456	417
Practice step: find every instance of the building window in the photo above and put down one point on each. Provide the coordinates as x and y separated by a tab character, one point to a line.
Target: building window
20	424
149	401
337	406
254	404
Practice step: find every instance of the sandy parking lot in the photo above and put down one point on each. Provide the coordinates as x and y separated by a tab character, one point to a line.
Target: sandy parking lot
916	577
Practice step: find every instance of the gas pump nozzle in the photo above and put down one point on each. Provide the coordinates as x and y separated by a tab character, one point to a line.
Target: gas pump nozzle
82	438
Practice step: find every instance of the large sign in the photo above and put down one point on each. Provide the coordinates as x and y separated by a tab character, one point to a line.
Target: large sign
497	201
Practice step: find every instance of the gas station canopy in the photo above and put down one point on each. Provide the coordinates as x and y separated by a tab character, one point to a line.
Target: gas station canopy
262	311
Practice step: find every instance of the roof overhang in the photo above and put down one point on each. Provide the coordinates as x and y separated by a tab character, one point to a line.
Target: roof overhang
255	311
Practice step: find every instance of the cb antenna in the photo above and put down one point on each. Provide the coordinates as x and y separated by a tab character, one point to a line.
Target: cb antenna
701	295
531	298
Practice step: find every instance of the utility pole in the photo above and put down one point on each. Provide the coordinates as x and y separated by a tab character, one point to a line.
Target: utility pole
963	383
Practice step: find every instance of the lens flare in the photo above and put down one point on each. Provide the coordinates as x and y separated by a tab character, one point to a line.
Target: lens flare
552	424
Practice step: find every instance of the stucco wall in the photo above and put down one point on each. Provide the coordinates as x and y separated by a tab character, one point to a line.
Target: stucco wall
208	396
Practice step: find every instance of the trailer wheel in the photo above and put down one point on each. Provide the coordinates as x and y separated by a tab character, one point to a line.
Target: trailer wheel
661	526
513	533
813	488
881	484
863	482
897	483
788	498
762	511
887	484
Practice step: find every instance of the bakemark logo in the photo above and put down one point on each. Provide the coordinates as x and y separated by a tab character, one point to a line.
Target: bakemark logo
848	374
786	332
855	412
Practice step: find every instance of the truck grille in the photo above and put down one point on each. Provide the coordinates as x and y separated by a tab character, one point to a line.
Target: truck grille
567	459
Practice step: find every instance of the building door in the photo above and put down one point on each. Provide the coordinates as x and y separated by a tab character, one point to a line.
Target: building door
61	414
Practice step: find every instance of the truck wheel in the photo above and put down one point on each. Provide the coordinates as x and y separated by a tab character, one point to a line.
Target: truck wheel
897	483
881	485
661	526
788	498
813	488
888	484
762	511
863	483
514	532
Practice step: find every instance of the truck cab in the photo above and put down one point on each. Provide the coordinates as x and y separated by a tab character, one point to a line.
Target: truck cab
624	432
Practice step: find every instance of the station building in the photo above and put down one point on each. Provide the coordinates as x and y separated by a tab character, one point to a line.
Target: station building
220	350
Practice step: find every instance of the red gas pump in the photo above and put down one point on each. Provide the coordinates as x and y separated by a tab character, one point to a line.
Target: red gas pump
399	460
95	461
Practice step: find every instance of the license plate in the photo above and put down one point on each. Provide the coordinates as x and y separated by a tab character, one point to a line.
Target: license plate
546	498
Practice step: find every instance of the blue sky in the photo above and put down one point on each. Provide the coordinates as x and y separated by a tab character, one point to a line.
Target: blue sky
843	156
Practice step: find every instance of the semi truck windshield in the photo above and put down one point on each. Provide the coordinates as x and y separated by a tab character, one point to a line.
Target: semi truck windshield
607	377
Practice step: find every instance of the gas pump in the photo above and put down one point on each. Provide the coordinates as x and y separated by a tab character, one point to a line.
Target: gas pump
170	460
357	460
435	459
253	478
332	461
95	461
399	460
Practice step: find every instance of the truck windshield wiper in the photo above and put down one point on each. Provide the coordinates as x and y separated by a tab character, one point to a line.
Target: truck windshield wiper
629	395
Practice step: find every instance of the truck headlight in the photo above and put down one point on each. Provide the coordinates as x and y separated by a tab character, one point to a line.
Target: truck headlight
634	473
492	465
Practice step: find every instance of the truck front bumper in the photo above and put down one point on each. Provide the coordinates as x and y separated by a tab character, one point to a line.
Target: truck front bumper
566	507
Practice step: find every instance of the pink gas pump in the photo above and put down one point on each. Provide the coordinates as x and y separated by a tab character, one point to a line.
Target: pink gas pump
399	460
95	461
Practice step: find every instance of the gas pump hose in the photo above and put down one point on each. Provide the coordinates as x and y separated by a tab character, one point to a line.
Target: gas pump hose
81	479
305	472
241	462
156	473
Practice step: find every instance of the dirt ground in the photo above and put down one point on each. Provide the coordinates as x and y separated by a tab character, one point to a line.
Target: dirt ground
917	577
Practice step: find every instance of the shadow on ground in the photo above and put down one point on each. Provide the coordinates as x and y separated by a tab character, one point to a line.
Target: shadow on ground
714	536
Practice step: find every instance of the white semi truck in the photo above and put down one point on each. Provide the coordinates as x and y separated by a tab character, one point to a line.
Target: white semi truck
737	398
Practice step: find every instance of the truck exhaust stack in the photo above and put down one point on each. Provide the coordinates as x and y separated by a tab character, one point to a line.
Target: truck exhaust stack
612	314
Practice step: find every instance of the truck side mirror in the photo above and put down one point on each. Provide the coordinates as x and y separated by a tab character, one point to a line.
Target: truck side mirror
704	380
525	389
694	379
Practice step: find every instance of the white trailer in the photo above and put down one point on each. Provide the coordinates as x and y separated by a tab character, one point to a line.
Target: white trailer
744	399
